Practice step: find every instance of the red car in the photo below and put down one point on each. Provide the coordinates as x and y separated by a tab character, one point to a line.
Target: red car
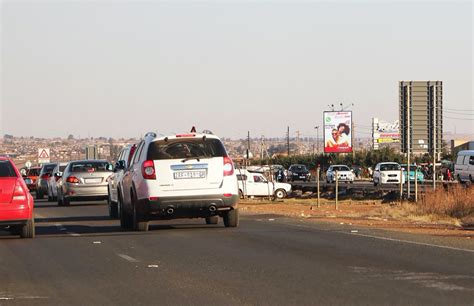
33	173
16	202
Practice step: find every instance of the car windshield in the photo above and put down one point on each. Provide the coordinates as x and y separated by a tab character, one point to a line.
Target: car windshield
90	167
412	168
340	168
389	167
6	169
186	148
298	168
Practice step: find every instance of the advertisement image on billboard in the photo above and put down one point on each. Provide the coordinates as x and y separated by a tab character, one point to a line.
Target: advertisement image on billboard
337	132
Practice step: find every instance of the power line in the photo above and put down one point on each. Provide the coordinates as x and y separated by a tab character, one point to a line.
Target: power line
458	110
459	113
459	118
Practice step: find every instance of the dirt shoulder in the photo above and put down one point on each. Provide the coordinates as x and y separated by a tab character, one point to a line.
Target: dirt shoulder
372	214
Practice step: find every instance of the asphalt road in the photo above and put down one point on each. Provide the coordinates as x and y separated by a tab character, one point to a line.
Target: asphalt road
80	257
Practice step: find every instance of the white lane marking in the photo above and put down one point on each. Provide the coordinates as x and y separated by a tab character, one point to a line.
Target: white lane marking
389	239
73	234
153	266
128	258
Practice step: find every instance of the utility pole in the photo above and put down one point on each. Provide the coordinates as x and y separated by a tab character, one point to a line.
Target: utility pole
353	140
261	148
317	138
288	140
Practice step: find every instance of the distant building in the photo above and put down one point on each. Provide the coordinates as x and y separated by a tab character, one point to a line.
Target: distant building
462	145
421	116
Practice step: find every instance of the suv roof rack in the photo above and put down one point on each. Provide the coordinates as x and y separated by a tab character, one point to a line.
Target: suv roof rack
207	132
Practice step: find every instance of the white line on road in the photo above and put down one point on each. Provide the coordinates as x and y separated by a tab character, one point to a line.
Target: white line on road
128	258
73	234
392	239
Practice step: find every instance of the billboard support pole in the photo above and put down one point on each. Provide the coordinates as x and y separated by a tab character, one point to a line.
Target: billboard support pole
337	189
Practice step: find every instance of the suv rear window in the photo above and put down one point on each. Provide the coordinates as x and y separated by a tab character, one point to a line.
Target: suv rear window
186	148
89	166
48	168
6	169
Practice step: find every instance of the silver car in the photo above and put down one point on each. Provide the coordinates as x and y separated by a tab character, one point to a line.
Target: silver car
84	180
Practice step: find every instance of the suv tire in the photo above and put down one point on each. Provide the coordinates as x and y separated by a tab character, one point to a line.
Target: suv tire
66	201
138	223
126	220
28	229
231	218
212	220
39	194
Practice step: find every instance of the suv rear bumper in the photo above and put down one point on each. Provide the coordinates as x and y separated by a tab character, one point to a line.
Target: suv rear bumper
186	206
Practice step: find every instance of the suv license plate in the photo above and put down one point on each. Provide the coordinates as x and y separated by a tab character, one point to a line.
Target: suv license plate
190	174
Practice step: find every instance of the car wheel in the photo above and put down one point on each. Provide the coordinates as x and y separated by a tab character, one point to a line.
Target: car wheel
66	201
60	199
113	208
231	218
212	220
280	194
241	194
39	195
375	183
126	221
28	229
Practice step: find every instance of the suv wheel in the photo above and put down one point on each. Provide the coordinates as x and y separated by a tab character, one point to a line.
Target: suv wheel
138	223
28	230
60	199
212	220
126	221
231	218
66	201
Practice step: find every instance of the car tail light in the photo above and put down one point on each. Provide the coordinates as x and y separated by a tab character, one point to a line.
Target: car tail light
148	170
46	176
72	180
227	195
19	194
228	166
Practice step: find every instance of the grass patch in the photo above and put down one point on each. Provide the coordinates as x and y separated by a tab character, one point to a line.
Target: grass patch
456	202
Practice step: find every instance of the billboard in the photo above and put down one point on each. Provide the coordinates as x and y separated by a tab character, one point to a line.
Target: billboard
337	132
384	132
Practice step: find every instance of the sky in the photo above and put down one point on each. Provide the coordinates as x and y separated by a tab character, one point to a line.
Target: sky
122	68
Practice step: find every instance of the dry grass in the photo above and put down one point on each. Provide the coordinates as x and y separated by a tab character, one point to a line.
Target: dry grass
457	202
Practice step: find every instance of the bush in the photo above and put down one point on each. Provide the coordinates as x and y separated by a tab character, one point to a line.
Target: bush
457	201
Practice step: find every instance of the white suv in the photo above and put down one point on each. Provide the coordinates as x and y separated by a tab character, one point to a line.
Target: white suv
179	176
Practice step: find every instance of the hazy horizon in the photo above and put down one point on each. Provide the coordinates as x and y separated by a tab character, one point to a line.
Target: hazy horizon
102	68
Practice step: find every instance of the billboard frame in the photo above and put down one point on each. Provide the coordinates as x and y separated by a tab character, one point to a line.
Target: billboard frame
351	147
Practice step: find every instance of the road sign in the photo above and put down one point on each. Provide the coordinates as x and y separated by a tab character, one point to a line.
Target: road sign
43	155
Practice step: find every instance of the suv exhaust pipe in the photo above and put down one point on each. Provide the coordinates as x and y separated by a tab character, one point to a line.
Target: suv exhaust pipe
212	208
170	210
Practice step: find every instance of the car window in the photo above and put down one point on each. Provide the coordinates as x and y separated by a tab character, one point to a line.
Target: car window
341	168
471	160
186	148
460	160
6	169
241	177
136	156
389	167
48	168
95	166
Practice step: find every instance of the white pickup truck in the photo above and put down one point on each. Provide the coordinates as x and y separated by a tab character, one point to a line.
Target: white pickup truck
256	184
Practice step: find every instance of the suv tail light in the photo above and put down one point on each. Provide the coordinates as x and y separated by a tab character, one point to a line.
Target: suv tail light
72	180
148	170
228	166
19	194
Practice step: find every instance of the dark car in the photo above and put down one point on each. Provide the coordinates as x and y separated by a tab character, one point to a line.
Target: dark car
298	172
42	181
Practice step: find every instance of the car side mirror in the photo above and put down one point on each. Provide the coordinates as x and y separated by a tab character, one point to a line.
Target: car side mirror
28	181
58	174
120	165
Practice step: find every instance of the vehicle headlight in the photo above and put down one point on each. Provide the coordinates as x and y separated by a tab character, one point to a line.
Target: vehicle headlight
383	174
